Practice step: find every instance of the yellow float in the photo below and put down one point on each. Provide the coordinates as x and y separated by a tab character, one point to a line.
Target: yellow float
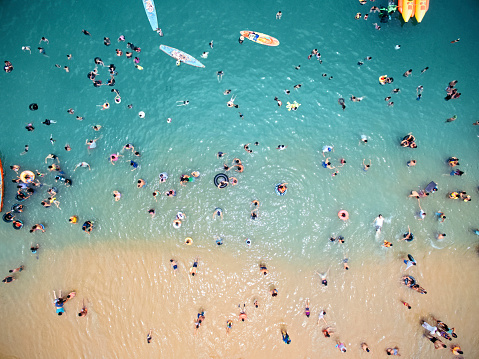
27	176
292	106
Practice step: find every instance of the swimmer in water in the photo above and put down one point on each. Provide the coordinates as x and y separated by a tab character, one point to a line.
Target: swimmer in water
386	244
378	223
219	75
366	166
247	149
204	55
92	143
231	102
82	164
218	212
323	276
220	154
278	15
182	103
27	48
116	195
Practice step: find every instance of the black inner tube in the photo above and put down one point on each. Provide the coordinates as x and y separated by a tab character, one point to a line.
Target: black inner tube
17	208
8	217
17	224
219	178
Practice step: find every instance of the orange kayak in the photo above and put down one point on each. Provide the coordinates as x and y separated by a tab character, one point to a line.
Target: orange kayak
260	38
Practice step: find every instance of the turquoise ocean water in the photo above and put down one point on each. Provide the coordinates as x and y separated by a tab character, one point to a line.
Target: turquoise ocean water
294	227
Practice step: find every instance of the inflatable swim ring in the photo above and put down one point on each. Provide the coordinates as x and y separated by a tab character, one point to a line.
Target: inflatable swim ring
181	216
383	79
141	114
17	208
176	223
410	239
343	215
188	241
8	217
219	241
163	176
278	192
105	106
21	197
17	224
219	178
27	176
117	100
248	241
73	219
195	174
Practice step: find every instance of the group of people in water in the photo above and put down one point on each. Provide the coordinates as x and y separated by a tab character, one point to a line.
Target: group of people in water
27	188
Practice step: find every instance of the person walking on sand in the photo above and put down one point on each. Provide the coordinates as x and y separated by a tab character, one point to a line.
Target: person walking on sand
229	325
323	276
194	268
306	309
174	265
321	317
199	320
263	269
242	316
340	346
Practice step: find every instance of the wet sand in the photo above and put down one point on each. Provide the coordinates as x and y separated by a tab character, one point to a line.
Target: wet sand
132	288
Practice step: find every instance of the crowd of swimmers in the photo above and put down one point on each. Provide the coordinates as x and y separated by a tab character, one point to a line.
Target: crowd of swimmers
28	186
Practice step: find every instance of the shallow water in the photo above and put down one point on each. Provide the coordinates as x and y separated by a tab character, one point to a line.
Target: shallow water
122	267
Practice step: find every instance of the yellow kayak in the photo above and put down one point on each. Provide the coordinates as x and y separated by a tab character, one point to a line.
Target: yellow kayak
421	8
406	8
